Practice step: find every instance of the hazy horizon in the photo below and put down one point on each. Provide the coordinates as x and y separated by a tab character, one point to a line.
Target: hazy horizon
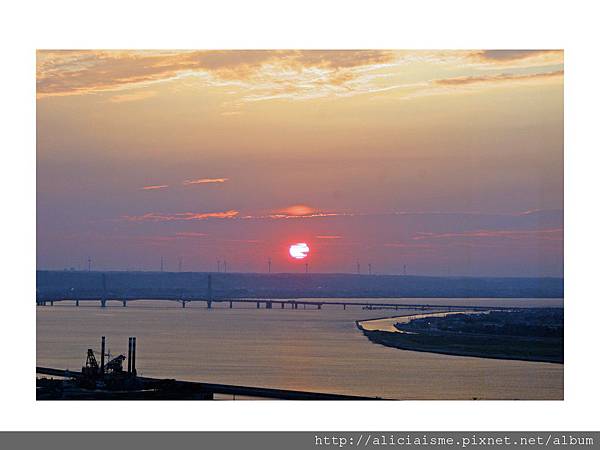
214	272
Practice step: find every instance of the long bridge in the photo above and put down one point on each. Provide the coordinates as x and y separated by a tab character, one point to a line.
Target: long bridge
261	303
102	293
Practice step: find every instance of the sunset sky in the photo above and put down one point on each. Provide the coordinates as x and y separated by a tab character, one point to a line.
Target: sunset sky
448	162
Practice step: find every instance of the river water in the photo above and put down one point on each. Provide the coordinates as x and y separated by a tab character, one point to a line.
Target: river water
304	349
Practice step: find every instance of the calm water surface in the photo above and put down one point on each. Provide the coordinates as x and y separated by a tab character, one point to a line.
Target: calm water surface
288	349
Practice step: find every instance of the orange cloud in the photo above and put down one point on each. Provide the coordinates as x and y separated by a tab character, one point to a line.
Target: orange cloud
154	187
298	210
259	75
69	72
205	181
504	77
514	55
158	217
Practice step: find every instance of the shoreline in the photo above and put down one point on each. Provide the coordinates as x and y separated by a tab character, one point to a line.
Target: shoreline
454	344
417	315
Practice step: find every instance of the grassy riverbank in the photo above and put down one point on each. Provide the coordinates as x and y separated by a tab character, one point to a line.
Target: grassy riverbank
474	336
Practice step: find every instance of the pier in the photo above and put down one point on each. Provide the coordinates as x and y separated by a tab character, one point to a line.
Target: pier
197	390
108	380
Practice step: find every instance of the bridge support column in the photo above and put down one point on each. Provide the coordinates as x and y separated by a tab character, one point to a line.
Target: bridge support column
76	302
258	305
344	306
230	304
209	304
51	302
282	305
319	306
296	306
103	303
124	303
183	303
269	305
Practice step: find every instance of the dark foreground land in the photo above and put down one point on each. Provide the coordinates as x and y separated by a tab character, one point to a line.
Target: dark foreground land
530	335
125	386
77	284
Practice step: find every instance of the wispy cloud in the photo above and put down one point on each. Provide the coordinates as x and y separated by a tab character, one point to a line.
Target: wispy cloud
132	97
190	234
501	56
327	236
160	217
307	212
504	77
243	241
554	234
82	72
253	76
154	187
295	216
205	181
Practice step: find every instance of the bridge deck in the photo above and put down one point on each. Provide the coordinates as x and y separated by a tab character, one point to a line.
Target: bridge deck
269	302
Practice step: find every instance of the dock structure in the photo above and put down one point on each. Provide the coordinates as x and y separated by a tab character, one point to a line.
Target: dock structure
207	391
111	382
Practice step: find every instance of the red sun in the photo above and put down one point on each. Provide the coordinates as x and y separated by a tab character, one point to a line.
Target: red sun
299	250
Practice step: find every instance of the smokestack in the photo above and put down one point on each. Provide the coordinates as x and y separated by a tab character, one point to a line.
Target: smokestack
129	355
133	357
102	351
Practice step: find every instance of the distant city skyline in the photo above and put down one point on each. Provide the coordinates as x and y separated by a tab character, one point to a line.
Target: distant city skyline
446	162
